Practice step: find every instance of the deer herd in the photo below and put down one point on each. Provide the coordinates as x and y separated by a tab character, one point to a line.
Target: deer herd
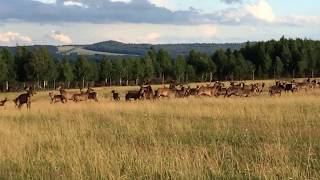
173	91
216	89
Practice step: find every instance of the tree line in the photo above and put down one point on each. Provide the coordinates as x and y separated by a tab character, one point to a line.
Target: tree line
262	60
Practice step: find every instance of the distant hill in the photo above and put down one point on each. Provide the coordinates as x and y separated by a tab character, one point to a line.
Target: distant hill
116	49
173	49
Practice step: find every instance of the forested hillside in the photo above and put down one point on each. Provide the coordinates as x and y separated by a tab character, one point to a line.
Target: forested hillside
173	49
271	59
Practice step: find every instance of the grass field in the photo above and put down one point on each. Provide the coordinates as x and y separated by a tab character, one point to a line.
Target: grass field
194	138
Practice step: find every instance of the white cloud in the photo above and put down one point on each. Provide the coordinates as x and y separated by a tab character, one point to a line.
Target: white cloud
60	37
299	20
75	3
12	38
164	3
208	30
47	1
151	37
126	1
261	10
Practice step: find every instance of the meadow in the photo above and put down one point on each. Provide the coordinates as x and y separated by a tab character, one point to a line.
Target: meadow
192	138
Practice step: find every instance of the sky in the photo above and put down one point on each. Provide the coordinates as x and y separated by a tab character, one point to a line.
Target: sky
63	22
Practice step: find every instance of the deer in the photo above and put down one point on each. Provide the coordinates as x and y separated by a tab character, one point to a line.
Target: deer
92	95
165	92
241	90
115	95
208	91
277	89
56	98
66	95
3	102
83	96
24	99
193	91
259	87
182	93
147	92
136	95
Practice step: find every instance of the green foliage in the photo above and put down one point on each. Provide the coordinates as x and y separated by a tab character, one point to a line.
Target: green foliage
201	62
105	69
22	56
165	62
180	68
82	69
283	58
148	67
117	70
243	69
190	73
8	58
138	71
221	59
278	67
3	69
65	70
40	65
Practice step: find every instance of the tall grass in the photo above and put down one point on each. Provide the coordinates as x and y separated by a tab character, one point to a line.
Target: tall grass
194	138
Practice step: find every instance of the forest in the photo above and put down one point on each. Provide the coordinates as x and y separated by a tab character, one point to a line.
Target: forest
285	58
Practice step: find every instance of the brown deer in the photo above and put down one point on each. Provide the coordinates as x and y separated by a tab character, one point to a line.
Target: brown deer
240	90
115	95
181	93
277	89
66	95
165	92
83	96
92	95
134	95
24	98
259	87
3	102
222	91
209	91
192	91
147	92
56	98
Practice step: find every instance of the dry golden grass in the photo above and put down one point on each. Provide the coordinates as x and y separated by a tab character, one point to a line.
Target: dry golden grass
194	138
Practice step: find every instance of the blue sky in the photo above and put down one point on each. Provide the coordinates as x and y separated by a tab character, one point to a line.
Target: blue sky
61	22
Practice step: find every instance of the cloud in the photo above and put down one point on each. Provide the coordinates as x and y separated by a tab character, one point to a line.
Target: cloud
74	3
231	1
13	38
60	37
261	10
299	20
94	11
142	11
208	30
151	37
164	3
